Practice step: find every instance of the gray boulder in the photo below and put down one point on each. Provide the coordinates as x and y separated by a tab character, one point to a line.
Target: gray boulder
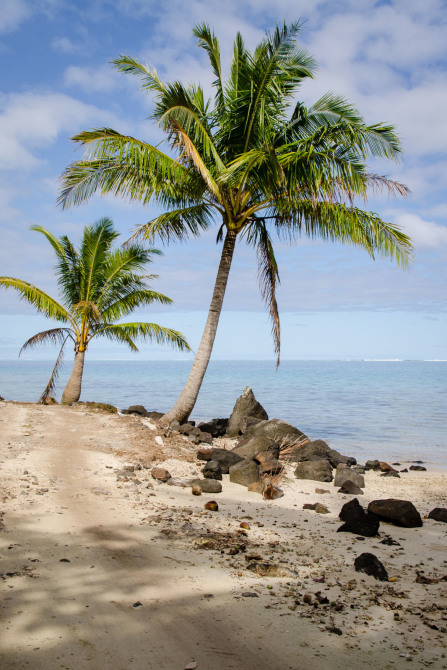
344	474
225	458
207	485
244	473
282	432
398	512
319	471
212	470
255	446
319	450
215	427
246	405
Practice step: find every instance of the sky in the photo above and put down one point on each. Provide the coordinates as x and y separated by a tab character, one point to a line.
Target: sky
389	58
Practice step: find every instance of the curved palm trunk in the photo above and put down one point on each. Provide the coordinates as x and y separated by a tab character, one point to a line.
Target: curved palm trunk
185	404
72	391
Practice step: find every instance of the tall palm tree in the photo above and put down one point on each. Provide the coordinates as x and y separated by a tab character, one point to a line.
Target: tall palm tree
252	160
98	286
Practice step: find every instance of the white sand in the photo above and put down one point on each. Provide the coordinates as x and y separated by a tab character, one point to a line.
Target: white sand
127	543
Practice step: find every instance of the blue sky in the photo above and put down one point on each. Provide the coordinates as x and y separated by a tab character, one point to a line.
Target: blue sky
388	58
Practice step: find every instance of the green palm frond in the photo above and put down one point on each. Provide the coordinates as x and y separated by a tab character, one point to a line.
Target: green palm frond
43	302
126	304
149	76
177	224
146	331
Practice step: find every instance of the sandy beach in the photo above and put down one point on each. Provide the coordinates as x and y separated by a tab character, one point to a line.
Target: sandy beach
104	567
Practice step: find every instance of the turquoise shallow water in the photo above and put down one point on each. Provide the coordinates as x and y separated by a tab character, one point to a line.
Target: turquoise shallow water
387	410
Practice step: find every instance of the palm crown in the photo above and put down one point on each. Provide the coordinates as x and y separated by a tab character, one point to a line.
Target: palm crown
253	158
98	286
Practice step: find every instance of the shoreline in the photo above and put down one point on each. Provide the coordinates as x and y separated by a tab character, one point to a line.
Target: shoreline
108	565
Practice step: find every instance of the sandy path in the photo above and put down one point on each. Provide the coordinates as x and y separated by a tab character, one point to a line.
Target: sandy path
86	551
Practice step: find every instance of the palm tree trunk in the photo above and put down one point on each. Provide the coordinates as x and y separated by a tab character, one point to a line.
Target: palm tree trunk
185	404
72	391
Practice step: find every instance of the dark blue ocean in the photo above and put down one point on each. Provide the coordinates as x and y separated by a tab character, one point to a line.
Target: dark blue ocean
369	409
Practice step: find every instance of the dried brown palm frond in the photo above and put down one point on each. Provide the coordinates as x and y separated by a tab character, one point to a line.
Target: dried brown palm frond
49	388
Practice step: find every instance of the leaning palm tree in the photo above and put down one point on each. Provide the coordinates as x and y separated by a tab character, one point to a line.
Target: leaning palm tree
98	286
254	160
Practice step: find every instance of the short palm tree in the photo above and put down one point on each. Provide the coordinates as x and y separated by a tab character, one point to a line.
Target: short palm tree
98	286
253	160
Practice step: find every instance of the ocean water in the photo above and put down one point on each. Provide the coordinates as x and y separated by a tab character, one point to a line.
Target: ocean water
391	410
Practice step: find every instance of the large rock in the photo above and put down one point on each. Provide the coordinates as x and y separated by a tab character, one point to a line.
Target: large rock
319	450
225	458
398	512
438	514
366	525
370	565
212	470
246	405
351	489
207	485
215	427
255	446
351	511
344	474
244	473
139	410
319	471
282	432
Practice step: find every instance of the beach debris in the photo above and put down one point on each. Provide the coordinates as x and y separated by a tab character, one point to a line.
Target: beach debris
244	524
370	565
322	491
319	471
390	473
212	506
398	512
196	490
212	470
438	514
418	468
245	406
137	604
267	569
389	541
319	508
422	579
191	666
249	594
160	474
271	491
207	485
244	473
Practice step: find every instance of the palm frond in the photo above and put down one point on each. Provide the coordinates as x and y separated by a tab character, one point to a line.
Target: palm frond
149	76
268	276
49	388
177	224
146	331
52	336
43	302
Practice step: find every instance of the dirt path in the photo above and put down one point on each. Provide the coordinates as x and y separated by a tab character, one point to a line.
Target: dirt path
79	552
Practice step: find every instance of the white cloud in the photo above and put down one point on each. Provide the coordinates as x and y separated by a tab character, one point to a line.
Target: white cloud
12	14
423	233
66	46
30	121
93	79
